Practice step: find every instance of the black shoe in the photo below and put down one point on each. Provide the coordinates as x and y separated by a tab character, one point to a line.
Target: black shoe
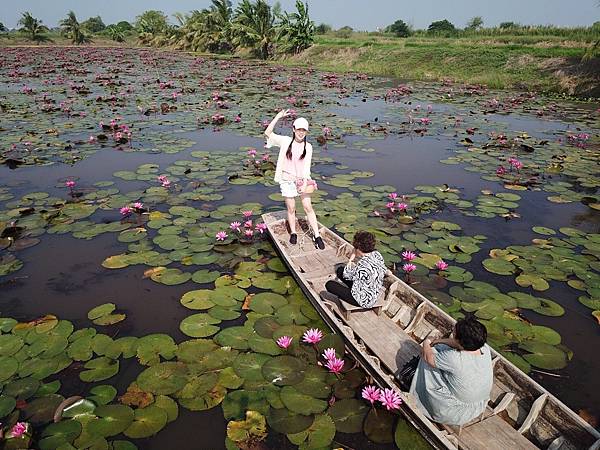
319	243
293	238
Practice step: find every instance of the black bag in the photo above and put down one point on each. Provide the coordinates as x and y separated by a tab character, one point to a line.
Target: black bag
406	374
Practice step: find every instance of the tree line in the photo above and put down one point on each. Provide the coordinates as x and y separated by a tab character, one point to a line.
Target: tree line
219	28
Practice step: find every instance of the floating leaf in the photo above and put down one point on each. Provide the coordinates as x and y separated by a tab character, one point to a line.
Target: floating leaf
101	310
348	415
199	325
379	426
147	422
301	403
544	356
319	435
112	420
164	378
283	370
99	369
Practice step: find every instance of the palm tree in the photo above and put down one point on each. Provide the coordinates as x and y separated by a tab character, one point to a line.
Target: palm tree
115	32
296	31
33	27
254	26
71	27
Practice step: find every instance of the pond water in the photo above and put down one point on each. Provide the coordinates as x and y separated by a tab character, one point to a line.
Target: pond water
501	186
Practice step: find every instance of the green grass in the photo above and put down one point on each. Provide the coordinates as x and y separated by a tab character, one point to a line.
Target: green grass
500	62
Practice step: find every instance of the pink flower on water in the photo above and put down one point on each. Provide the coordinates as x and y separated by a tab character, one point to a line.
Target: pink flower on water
235	226
248	232
261	227
284	341
312	336
391	206
237	119
371	393
425	121
246	213
252	152
402	206
335	365
221	236
19	429
138	205
248	224
500	170
393	196
326	131
518	165
441	265
265	157
70	184
92	139
125	210
166	183
329	354
390	399
408	255
408	268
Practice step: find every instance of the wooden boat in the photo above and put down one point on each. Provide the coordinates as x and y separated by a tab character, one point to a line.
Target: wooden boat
521	414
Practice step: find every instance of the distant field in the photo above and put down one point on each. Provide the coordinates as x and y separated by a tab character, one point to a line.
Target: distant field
541	62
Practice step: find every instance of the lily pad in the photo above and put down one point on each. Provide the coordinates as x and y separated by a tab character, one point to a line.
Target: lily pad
147	422
284	370
199	325
544	356
348	415
99	369
164	378
301	403
379	426
319	435
113	420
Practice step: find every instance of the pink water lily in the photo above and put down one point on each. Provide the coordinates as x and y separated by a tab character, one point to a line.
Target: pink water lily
248	224
265	157
408	255
335	365
261	227
19	429
252	152
371	393
248	232
138	205
92	139
70	184
247	213
393	196
329	354
402	206
125	210
390	399
235	226
326	131
391	206
221	236
441	265
285	341
312	336
408	268
500	170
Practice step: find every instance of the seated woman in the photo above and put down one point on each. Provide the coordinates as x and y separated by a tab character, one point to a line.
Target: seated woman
453	381
362	279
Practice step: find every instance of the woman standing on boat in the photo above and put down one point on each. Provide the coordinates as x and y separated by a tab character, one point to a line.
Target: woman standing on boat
293	173
454	377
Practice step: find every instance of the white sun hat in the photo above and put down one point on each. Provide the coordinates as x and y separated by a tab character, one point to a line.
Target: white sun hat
301	122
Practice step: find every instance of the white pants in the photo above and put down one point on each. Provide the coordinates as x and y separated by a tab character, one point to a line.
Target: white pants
288	189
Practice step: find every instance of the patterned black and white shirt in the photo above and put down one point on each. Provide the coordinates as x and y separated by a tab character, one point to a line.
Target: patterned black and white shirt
367	278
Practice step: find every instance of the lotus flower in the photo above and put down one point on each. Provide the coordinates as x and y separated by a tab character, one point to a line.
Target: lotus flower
284	341
237	119
221	236
326	131
500	170
19	429
329	354
408	255
408	268
393	196
335	365
138	205
261	227
390	399
441	265
402	206
125	210
252	152
248	232
371	393
391	206
312	336
248	224
265	157
235	226
246	213
425	121
166	183
92	139
70	184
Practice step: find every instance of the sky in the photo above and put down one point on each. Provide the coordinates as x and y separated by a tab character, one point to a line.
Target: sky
359	14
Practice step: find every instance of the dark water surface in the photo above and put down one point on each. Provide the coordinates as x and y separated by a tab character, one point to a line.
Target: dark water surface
63	275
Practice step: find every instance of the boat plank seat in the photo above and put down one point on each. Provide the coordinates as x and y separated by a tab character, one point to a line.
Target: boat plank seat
393	347
348	308
478	436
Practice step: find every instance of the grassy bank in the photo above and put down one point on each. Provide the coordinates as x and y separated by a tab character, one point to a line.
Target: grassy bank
541	63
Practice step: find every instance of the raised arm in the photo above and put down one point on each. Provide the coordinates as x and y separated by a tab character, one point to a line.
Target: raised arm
280	115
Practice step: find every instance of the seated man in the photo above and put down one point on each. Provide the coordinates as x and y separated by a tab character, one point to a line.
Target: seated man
363	276
453	381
